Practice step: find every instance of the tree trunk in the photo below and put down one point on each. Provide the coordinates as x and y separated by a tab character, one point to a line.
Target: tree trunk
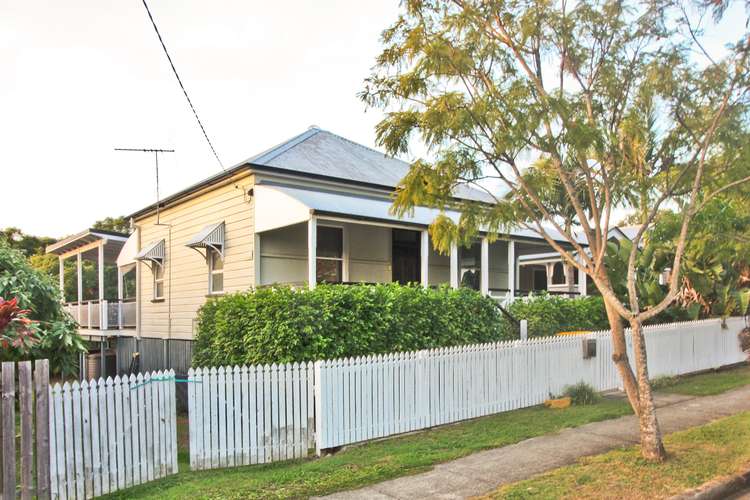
652	447
620	357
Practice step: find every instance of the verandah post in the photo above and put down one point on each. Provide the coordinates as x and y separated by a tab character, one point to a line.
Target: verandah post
454	265
424	256
511	270
484	269
312	248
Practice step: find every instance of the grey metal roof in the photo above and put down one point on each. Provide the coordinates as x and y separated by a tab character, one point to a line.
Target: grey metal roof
320	152
370	207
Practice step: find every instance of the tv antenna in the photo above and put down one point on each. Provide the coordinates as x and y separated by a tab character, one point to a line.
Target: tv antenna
156	164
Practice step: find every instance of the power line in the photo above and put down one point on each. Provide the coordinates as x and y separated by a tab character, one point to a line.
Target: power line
174	70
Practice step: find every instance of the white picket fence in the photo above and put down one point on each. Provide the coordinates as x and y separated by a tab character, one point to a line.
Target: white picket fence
376	396
250	414
259	414
107	435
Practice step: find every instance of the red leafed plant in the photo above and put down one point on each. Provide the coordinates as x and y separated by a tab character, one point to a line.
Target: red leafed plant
17	331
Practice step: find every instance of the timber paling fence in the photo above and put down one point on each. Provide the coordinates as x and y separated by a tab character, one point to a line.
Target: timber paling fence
27	459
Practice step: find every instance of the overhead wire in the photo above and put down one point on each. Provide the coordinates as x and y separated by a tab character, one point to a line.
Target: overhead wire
179	80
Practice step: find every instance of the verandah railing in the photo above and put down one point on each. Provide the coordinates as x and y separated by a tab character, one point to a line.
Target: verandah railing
104	315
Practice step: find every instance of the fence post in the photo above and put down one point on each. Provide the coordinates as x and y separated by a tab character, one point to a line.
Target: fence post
27	430
524	329
318	408
41	381
8	390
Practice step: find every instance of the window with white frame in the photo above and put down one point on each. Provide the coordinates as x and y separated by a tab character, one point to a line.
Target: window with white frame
329	261
158	272
215	272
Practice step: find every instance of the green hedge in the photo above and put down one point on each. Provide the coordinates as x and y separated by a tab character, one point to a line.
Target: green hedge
550	314
280	324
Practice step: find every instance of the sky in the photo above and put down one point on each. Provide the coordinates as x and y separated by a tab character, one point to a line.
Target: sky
81	77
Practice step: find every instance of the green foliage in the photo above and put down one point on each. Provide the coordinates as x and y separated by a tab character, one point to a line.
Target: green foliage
57	332
28	244
581	394
715	265
551	314
648	266
117	224
564	113
280	324
283	325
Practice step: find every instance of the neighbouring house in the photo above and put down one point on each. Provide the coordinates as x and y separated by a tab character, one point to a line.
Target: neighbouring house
315	208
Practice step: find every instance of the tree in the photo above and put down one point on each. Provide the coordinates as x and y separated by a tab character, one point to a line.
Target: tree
117	224
26	243
56	334
714	280
601	100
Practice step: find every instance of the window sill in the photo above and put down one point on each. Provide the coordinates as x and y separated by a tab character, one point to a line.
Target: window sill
156	301
215	294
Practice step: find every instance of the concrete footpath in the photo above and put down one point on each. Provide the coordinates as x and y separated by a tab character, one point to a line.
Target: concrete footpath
484	471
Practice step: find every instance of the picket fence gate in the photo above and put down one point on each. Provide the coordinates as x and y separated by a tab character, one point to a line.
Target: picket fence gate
250	414
111	434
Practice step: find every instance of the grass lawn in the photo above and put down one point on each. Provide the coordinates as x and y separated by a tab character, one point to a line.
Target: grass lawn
373	462
411	454
705	384
696	456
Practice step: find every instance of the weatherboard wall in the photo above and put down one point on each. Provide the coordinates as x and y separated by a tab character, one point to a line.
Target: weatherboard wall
186	270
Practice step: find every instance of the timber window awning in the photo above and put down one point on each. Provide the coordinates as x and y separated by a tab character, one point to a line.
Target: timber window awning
210	237
154	253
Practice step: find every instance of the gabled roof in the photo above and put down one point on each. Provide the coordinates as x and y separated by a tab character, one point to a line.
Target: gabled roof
322	153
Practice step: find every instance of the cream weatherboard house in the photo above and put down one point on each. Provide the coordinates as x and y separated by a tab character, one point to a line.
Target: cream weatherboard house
314	208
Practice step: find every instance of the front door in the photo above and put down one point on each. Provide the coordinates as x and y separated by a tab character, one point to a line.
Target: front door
406	258
540	279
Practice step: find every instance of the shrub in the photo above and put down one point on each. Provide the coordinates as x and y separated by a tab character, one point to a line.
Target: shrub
581	394
550	314
56	332
280	324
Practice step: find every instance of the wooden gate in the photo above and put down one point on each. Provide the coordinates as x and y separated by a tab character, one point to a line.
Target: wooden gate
32	394
112	434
